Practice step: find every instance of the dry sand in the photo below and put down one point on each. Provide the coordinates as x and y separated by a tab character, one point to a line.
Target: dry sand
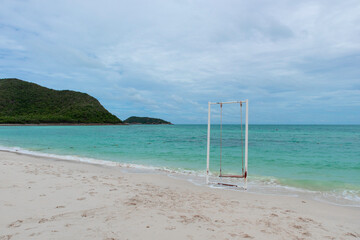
43	198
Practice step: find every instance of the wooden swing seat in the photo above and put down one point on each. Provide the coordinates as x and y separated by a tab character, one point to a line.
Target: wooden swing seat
228	185
232	176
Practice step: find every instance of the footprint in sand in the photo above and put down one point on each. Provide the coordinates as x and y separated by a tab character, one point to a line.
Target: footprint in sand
34	234
245	235
355	235
305	219
17	223
89	214
43	220
5	237
297	226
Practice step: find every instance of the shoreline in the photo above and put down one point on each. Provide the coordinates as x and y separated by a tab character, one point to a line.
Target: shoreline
256	186
54	198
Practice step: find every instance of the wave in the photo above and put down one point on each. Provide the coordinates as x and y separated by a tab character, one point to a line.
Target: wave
95	161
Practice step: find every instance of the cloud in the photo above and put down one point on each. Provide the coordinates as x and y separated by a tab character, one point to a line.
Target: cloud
169	58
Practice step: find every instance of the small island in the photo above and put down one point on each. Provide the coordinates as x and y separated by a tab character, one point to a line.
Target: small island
145	120
24	102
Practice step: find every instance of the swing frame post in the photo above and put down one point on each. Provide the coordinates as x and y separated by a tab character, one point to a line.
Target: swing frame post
246	140
208	145
245	173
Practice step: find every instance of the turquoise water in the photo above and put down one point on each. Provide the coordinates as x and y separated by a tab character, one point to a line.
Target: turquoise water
317	158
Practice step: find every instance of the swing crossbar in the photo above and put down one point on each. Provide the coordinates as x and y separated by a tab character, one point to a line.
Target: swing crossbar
213	103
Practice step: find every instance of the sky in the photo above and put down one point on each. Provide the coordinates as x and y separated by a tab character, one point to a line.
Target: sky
298	62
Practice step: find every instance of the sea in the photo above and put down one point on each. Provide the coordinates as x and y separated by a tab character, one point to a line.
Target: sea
320	162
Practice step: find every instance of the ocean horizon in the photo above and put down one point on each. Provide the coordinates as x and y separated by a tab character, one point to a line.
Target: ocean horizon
319	161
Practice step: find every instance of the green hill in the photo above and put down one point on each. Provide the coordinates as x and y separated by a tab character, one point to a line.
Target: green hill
145	120
25	102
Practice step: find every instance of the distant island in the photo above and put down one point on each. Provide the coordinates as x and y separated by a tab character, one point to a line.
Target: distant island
145	120
23	102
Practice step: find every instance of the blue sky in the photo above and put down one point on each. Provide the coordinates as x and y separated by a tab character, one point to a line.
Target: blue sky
296	61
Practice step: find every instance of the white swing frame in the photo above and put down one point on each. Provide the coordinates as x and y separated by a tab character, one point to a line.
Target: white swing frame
245	174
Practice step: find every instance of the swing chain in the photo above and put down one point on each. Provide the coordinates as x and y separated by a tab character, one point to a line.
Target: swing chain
242	141
242	144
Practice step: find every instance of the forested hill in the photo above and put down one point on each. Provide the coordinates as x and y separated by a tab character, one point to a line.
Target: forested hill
25	102
145	120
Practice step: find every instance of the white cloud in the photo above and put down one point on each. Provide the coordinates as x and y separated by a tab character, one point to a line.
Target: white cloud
162	53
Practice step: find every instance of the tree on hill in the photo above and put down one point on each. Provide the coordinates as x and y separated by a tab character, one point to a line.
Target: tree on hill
25	102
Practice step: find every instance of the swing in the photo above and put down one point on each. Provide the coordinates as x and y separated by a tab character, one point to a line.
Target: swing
242	146
243	160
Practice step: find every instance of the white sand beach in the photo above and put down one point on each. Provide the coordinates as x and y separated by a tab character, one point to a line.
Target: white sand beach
43	198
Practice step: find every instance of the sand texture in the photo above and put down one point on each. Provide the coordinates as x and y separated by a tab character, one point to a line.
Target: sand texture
43	198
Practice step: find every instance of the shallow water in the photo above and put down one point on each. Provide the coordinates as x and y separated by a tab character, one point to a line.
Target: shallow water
322	161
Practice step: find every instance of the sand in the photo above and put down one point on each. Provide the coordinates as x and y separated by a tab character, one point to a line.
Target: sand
43	198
